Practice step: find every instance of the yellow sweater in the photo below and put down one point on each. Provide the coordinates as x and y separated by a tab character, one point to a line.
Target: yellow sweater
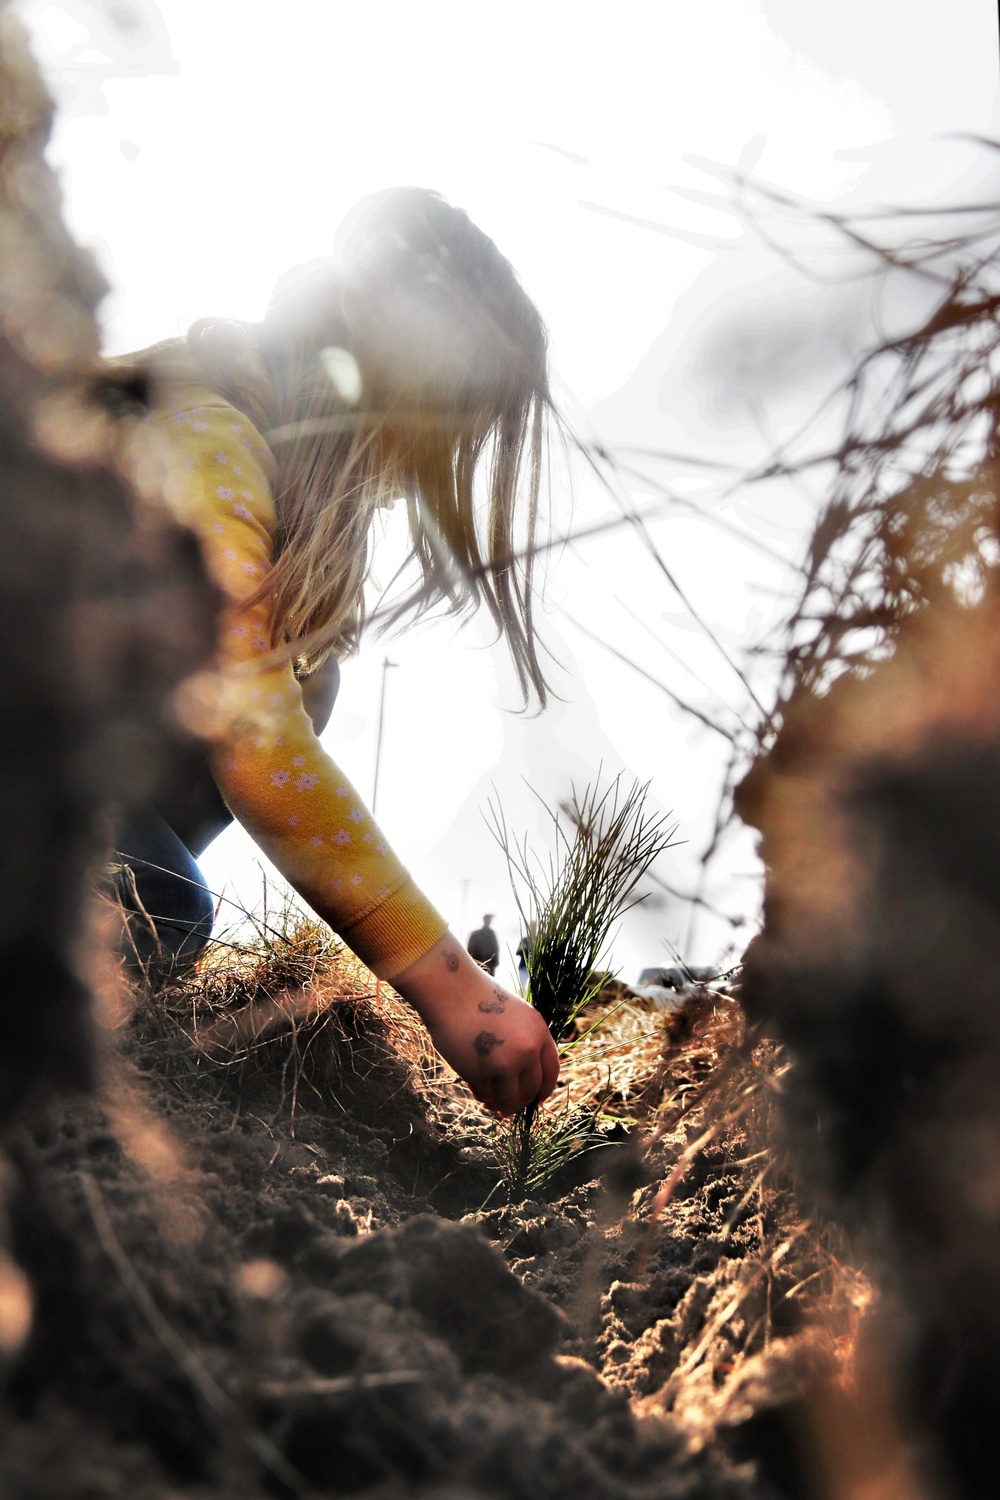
217	474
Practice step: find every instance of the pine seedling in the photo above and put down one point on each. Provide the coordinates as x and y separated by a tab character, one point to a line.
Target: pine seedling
604	844
534	1146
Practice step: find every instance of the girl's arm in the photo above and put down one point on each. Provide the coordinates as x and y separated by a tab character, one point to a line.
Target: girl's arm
294	801
499	1044
270	767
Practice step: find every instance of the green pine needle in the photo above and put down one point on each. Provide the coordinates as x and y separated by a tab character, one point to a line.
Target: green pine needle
568	906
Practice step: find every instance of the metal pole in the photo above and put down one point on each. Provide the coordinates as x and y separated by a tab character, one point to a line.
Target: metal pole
386	664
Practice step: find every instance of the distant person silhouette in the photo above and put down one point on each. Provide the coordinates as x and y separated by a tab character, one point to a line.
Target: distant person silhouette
483	945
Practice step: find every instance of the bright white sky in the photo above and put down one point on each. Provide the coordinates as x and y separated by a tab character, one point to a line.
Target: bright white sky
207	145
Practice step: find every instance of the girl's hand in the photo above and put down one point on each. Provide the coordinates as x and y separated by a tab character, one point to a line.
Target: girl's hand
499	1044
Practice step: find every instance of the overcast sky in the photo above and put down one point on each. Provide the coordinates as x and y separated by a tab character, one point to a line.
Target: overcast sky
207	145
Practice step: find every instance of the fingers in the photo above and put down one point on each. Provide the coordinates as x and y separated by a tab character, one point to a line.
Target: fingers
483	1092
529	1082
507	1094
529	1077
549	1067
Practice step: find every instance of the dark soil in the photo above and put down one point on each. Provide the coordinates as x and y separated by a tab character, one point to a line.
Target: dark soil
277	1278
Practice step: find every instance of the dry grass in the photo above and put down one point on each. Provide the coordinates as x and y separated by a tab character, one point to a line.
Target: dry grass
685	1078
775	1321
694	1087
248	989
286	1003
616	1056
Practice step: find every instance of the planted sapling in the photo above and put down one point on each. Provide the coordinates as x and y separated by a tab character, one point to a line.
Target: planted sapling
604	842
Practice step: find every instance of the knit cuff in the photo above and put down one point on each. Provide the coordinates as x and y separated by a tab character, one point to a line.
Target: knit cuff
400	930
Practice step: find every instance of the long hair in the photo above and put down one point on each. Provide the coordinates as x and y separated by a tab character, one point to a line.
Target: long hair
410	365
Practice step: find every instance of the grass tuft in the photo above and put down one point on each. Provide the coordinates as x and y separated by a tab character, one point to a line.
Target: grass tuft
568	906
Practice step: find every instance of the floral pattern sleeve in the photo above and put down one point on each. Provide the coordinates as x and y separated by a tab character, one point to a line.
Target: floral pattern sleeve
270	767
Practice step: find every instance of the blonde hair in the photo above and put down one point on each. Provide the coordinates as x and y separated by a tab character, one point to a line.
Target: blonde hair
447	356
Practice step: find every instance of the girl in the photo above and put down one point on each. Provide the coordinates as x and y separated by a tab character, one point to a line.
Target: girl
410	365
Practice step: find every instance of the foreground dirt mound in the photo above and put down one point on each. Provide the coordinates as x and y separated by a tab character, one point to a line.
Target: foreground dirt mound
235	1296
879	962
104	608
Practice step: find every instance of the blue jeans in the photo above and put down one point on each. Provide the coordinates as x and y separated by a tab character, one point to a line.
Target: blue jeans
169	910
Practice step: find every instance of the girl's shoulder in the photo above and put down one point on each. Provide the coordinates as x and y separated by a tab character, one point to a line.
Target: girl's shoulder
166	387
168	378
162	380
188	446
